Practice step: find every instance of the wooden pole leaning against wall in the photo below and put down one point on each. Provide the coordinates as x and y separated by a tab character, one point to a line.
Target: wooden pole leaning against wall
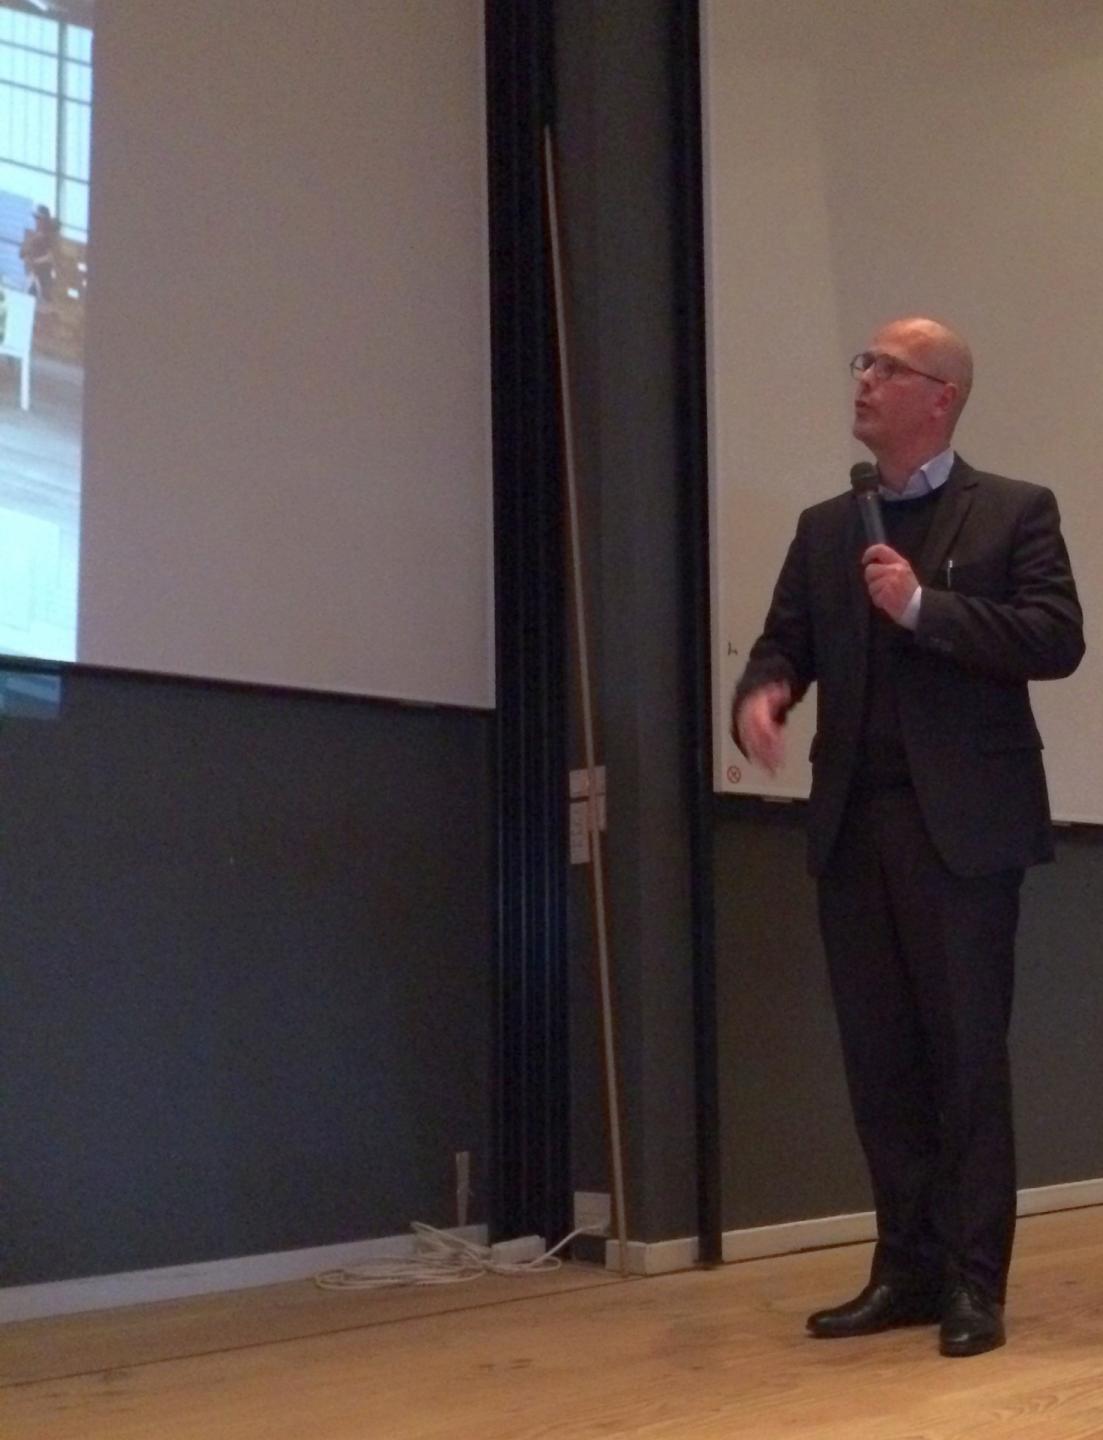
597	863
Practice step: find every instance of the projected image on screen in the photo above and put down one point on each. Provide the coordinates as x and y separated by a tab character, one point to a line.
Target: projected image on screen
45	130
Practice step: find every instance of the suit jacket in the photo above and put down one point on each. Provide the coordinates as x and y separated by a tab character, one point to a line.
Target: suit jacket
999	608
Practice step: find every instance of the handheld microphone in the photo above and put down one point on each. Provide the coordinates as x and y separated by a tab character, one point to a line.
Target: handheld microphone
864	482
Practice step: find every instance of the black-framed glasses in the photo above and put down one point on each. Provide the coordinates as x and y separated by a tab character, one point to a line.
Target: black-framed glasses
884	367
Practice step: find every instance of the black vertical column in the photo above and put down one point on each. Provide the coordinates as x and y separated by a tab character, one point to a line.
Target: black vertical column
531	1173
689	289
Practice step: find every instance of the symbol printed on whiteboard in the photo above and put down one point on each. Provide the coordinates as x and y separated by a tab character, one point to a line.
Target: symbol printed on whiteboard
734	774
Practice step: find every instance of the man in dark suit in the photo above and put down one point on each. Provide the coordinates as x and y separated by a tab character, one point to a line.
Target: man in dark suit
928	800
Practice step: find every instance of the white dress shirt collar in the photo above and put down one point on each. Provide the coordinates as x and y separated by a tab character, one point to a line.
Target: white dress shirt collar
930	475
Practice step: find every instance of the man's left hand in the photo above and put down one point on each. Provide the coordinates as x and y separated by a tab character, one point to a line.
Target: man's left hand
890	580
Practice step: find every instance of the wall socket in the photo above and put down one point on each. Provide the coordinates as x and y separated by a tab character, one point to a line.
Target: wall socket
592	1208
579	782
580	833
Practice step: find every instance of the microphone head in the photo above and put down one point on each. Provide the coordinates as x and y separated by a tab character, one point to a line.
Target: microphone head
864	477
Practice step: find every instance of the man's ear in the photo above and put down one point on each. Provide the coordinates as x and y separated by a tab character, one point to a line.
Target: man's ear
946	400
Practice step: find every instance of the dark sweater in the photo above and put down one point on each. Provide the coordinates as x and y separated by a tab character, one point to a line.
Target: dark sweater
882	759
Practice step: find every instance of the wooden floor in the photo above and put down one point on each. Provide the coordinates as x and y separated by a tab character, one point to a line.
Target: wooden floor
706	1355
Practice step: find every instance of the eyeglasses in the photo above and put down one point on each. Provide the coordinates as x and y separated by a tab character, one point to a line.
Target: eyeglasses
884	367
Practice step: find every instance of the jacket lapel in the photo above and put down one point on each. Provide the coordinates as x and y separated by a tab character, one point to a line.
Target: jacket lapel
949	515
852	550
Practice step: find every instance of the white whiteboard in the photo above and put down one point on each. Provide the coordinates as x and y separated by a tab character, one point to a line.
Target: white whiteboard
866	160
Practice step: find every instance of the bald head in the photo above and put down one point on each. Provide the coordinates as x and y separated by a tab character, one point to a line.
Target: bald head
940	351
907	406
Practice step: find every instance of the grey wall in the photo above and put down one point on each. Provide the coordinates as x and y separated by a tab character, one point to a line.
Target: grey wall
245	956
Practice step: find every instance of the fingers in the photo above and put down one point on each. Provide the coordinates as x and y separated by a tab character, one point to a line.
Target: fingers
768	750
889	578
759	725
880	554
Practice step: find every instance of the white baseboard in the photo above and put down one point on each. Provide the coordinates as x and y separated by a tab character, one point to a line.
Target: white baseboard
660	1257
1073	1196
665	1256
786	1239
176	1282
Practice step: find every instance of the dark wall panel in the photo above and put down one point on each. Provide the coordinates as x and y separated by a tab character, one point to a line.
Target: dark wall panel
1056	1051
789	1148
616	183
245	958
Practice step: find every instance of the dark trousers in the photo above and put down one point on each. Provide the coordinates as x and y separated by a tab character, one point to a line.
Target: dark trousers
921	963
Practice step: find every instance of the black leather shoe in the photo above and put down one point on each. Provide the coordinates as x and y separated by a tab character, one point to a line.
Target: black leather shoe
880	1306
971	1323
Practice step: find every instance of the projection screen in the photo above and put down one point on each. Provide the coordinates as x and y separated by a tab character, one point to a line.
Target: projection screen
245	391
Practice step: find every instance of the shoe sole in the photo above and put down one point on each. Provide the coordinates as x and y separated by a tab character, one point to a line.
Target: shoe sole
908	1324
962	1352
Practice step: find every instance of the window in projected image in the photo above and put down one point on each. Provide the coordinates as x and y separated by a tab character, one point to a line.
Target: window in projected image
45	130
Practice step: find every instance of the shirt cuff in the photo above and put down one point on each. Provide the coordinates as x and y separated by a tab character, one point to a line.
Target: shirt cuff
910	618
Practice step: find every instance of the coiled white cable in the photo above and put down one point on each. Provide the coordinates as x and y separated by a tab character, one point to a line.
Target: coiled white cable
441	1259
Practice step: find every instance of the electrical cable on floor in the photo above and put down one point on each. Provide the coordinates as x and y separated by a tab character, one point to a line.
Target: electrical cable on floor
442	1259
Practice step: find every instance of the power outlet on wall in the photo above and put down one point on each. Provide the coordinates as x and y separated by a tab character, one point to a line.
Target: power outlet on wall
580	811
592	1208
